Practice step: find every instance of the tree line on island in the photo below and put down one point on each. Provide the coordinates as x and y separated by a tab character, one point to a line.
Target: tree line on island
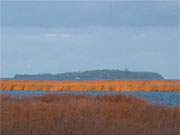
93	75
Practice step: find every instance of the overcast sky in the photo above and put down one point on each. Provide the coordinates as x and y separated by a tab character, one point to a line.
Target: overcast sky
56	36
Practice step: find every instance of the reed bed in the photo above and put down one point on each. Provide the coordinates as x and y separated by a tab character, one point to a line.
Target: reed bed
85	115
156	85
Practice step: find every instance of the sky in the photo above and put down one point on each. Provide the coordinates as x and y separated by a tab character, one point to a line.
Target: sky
65	36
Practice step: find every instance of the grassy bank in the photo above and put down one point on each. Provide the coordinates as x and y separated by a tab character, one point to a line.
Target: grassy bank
85	115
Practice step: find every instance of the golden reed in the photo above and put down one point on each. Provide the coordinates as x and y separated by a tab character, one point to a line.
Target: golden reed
85	115
157	85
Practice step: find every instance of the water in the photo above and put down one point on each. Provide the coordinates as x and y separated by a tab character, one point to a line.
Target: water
157	98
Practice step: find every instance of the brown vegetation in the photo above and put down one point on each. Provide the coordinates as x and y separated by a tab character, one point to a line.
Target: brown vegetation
162	85
85	115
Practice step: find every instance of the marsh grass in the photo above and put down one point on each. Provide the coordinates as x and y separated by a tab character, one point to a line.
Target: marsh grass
85	115
153	85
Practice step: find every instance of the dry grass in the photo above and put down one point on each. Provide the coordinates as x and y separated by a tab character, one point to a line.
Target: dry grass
85	115
163	85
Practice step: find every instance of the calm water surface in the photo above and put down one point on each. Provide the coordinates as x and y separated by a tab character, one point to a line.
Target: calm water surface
157	98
